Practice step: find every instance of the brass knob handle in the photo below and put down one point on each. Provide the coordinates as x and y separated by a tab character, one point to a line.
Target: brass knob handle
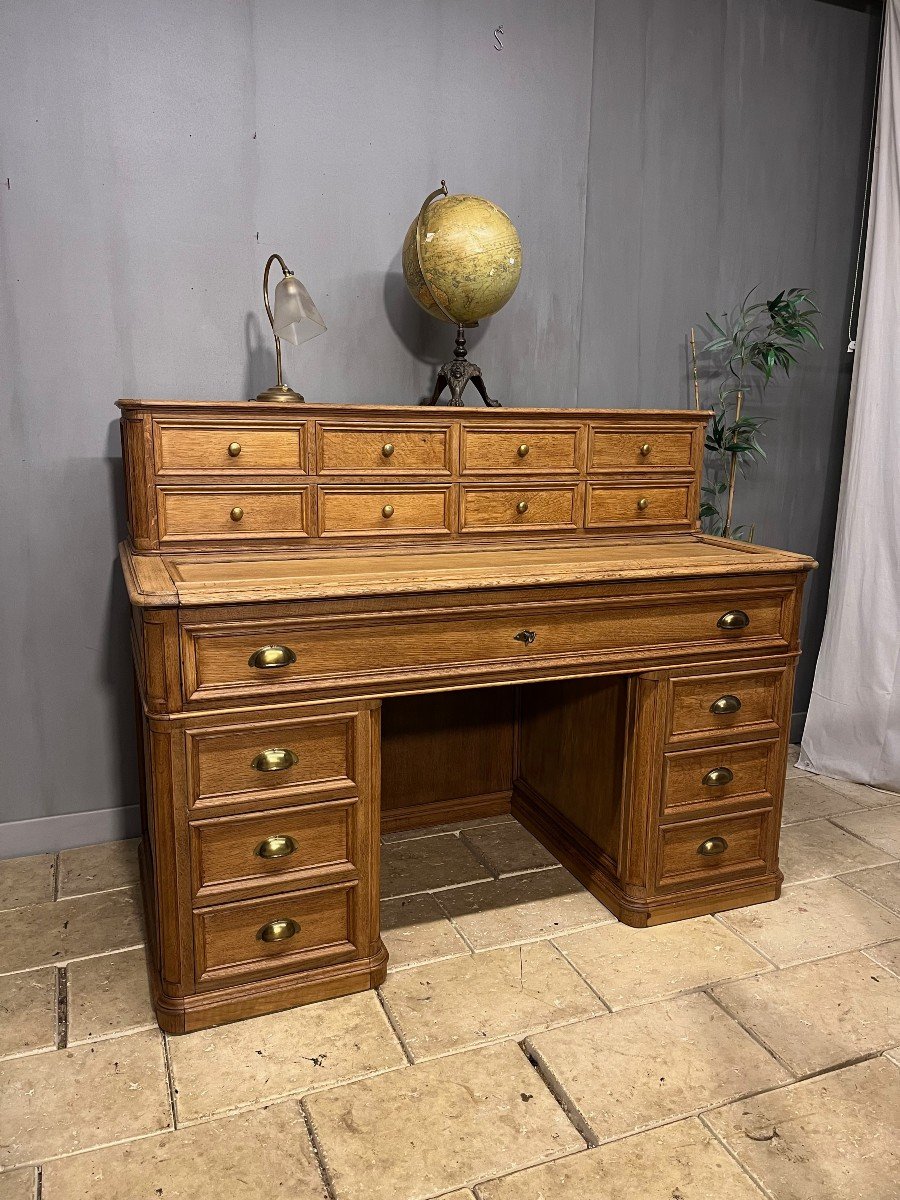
268	657
522	506
736	618
274	760
643	503
725	705
527	636
712	846
718	777
522	450
645	449
277	846
278	931
387	449
234	449
388	510
237	513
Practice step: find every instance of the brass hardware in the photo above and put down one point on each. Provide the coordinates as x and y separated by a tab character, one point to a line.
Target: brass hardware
387	450
237	513
522	450
277	846
234	449
645	449
643	503
274	760
267	657
712	846
522	506
278	931
527	636
736	618
280	391
725	705
388	510
718	777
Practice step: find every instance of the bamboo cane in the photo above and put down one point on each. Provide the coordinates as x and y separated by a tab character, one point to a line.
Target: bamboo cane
694	370
732	469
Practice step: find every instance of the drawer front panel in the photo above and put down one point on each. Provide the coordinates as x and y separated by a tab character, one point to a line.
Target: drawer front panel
179	447
225	764
289	846
519	449
637	505
734	704
519	508
233	514
229	940
701	777
384	449
379	647
738	846
640	450
384	511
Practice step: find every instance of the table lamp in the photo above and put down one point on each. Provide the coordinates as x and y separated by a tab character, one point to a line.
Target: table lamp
294	317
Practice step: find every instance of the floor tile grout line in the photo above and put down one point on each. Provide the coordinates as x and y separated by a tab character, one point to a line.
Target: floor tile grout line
62	1007
391	1019
38	1182
55	875
317	1150
120	887
701	1117
751	1033
835	820
867	953
477	855
879	903
67	962
731	929
581	975
554	1086
170	1081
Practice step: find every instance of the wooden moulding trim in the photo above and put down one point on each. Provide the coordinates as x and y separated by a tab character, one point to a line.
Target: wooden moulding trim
463	808
349	413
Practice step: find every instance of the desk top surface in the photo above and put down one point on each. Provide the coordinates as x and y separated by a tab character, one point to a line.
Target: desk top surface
194	580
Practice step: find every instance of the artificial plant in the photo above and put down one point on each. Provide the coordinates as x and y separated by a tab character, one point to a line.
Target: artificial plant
754	343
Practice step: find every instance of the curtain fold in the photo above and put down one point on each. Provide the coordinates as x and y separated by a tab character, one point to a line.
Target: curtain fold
853	725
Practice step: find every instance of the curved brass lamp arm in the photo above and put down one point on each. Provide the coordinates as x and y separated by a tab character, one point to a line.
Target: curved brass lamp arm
287	271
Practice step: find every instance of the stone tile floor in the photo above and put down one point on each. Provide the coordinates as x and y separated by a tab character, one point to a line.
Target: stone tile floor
525	1046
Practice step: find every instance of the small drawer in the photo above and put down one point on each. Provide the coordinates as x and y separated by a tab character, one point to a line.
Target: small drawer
502	508
719	775
728	704
637	505
644	449
254	938
700	851
286	847
264	763
511	449
388	511
179	447
234	514
384	449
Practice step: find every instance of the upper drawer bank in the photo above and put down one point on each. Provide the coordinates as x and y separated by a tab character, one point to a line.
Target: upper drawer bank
254	652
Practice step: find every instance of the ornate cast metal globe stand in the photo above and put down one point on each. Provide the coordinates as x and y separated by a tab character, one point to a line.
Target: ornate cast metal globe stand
456	374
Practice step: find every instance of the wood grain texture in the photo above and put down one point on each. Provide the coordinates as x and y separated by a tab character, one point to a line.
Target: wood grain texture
196	446
387	448
641	446
390	510
501	508
618	505
520	448
207	515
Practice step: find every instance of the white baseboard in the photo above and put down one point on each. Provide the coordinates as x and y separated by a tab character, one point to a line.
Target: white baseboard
46	835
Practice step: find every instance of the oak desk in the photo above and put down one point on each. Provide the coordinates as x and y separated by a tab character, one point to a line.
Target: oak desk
349	619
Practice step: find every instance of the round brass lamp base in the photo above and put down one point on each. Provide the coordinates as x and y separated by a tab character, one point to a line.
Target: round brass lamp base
282	394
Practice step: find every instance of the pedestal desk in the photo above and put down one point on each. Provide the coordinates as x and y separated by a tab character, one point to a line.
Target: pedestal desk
352	619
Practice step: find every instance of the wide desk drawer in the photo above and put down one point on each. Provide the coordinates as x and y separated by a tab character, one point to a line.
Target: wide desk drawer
254	938
698	852
346	651
381	449
284	848
744	703
229	514
181	447
721	775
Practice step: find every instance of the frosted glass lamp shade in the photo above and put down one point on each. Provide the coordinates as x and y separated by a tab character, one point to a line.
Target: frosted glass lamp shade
294	316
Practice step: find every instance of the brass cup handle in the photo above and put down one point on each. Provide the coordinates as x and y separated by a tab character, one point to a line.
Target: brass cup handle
522	506
387	449
643	503
725	705
266	658
712	846
735	618
277	846
237	513
274	760
645	449
527	636
278	931
522	450
234	449
718	777
388	511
